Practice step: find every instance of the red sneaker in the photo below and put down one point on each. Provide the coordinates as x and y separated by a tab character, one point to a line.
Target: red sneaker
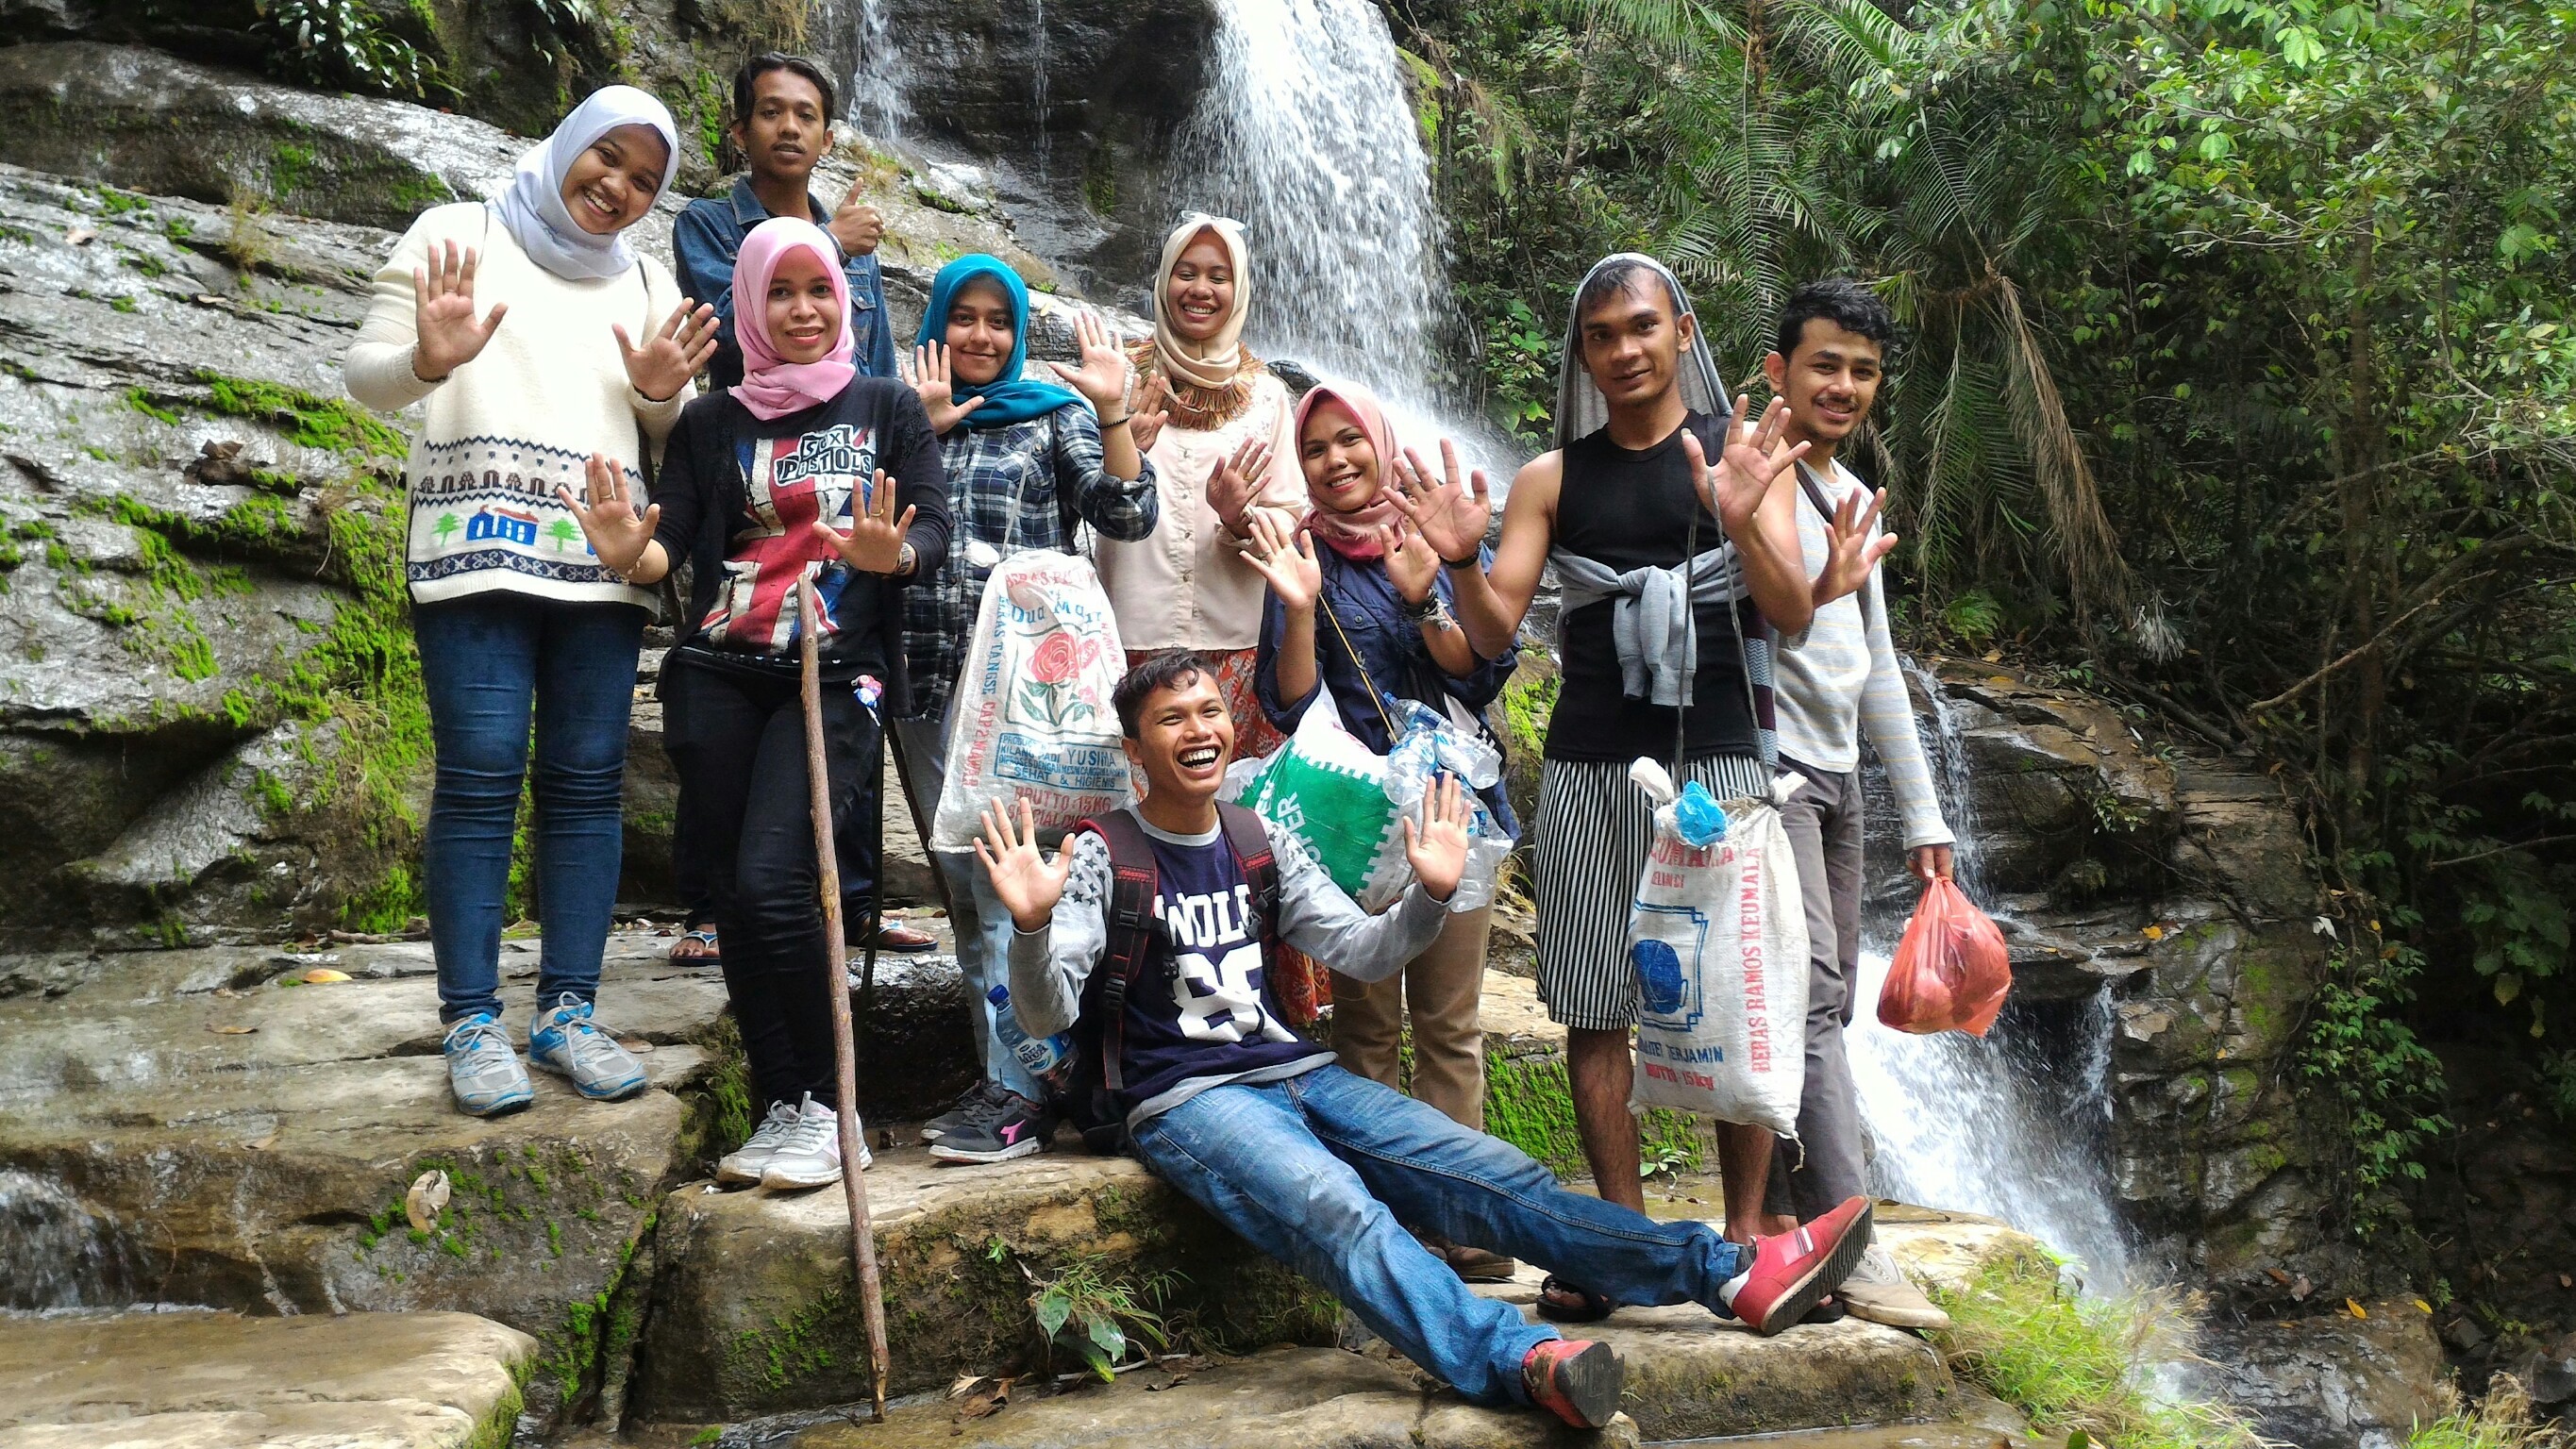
1792	1271
1575	1379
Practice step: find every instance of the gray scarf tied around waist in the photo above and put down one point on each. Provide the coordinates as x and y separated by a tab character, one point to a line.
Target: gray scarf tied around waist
1650	620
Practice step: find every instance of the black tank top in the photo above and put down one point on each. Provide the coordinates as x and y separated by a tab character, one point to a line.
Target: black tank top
1630	508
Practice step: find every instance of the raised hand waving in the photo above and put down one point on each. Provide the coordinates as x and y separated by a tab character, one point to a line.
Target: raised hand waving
1451	515
618	533
874	544
1850	552
673	354
445	334
930	376
1752	460
1027	883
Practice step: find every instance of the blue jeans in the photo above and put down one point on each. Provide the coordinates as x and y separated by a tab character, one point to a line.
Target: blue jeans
982	927
1321	1170
488	662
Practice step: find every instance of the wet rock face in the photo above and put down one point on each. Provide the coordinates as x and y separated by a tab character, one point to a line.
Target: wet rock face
2331	1381
2177	883
192	731
1073	108
147	121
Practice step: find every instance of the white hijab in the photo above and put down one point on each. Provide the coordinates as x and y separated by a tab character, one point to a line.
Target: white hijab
532	206
1580	408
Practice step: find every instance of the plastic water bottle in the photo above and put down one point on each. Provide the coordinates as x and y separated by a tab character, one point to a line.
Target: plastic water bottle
1039	1055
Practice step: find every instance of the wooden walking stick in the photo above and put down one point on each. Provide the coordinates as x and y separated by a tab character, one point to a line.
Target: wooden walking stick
845	1060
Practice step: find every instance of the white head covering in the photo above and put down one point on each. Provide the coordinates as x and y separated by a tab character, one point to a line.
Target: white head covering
1215	362
532	206
1580	408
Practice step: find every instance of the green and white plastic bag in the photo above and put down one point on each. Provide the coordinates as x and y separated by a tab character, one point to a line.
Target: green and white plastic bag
1329	790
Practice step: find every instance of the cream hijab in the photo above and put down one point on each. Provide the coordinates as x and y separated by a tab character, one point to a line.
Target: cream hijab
1217	361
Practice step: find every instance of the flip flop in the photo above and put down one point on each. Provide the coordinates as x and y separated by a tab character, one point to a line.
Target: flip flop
705	936
895	938
1595	1306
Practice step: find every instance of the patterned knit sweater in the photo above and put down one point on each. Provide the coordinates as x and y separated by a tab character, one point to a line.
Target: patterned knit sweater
503	430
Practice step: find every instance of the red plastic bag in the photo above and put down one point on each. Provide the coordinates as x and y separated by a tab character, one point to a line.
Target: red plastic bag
1951	971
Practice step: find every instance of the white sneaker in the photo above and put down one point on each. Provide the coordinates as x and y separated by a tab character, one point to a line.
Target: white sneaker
809	1153
1879	1291
743	1165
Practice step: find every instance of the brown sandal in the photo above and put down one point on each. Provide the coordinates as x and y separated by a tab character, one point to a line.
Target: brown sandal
1587	1306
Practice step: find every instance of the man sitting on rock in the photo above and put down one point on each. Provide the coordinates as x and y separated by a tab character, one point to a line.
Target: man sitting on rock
1185	898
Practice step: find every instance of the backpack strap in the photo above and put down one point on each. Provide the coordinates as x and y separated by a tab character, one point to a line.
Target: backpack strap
1249	839
1134	880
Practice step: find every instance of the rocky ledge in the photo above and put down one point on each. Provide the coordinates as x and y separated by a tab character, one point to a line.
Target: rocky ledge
207	1380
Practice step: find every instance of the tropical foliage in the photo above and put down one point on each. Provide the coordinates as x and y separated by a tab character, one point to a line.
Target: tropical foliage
2237	377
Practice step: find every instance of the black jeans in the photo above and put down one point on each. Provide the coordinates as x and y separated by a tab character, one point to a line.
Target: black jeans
738	742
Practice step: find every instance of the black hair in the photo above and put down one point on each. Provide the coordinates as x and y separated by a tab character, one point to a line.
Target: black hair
1168	670
1845	303
1618	278
767	61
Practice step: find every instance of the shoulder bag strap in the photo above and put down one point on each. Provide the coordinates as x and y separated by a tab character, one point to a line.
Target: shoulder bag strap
1134	880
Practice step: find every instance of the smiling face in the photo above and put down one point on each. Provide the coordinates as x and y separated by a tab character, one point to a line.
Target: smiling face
1829	382
785	132
1200	293
1183	739
1341	463
1632	344
980	336
804	316
610	186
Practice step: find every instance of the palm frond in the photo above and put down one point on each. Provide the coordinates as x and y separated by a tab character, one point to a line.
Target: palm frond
2097	574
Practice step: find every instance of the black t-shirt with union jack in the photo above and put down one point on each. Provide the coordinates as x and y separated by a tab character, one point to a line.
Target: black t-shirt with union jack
737	495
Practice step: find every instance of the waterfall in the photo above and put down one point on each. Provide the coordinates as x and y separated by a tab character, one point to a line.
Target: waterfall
1303	134
1998	1126
55	1250
876	89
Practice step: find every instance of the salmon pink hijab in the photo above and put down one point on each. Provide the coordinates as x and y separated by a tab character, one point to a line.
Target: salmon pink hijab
1352	535
771	386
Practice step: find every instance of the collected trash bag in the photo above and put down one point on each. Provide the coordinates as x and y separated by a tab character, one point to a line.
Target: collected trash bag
1951	971
1033	719
1717	934
1329	790
1431	746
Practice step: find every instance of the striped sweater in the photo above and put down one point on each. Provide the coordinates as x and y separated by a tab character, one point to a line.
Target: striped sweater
545	393
1844	680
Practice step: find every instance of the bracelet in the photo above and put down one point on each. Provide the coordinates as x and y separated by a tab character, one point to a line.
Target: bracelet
1432	612
1470	561
1107	423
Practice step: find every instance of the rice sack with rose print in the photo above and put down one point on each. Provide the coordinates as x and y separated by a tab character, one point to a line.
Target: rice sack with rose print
1033	719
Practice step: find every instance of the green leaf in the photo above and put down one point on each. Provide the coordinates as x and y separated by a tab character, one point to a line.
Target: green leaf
1053	1309
1106	1333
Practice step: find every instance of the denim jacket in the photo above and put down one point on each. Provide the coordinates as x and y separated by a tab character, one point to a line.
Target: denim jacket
705	240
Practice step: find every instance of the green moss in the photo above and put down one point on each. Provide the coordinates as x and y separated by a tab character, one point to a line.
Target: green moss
141	402
314	422
288	165
498	1427
1530	1104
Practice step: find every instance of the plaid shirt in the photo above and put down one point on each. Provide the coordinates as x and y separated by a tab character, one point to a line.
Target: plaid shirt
1052	467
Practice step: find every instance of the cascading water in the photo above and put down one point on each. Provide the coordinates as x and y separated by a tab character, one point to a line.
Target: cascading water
55	1250
1994	1126
1303	135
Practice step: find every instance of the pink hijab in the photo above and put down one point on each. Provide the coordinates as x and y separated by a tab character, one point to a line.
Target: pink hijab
1352	535
770	386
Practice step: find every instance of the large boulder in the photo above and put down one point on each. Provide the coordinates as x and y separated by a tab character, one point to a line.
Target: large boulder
198	1127
148	121
208	718
2331	1381
204	1380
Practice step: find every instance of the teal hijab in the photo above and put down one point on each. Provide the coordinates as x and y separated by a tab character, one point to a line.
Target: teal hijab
1009	398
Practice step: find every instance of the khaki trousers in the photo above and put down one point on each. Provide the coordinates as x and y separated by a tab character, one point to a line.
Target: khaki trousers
1443	986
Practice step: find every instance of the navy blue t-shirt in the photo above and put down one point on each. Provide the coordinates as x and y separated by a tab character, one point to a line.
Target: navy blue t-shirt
1202	1006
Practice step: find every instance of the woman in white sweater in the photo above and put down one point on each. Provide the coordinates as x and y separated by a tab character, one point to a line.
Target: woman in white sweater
513	613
